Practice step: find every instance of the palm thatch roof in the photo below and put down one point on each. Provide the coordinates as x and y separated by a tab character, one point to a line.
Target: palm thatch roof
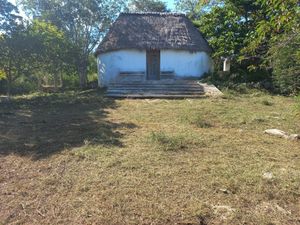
153	31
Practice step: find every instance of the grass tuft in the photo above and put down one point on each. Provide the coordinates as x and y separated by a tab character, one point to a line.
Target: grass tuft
197	120
167	142
298	104
267	102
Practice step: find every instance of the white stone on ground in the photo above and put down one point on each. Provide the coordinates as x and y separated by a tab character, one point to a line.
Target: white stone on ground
282	134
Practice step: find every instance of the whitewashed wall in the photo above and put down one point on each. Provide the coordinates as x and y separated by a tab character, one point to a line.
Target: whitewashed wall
183	63
110	64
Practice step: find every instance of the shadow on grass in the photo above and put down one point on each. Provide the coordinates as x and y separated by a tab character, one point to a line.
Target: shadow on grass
44	125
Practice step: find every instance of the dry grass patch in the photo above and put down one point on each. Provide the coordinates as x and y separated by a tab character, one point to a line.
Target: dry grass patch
81	158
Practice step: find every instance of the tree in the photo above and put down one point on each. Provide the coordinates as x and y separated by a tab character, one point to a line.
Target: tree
284	58
252	31
8	16
225	29
147	6
14	55
31	53
84	23
49	52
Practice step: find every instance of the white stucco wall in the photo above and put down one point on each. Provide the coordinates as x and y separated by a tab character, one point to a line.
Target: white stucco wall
110	64
185	63
182	63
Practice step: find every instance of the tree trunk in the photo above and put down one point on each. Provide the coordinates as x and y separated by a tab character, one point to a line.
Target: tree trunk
9	80
8	88
82	71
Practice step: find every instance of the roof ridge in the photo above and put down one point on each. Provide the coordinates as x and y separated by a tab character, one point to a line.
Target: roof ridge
154	13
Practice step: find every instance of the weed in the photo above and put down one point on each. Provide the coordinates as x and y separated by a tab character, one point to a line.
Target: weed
267	102
167	142
196	120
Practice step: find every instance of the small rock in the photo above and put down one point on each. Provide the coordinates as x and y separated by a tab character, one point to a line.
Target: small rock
268	175
223	211
282	134
294	137
277	132
224	190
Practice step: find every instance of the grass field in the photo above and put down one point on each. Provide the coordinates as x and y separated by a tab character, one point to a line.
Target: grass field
81	158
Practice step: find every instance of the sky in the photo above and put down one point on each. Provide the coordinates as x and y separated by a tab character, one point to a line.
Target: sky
171	4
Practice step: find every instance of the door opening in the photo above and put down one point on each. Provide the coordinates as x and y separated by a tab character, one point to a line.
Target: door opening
153	64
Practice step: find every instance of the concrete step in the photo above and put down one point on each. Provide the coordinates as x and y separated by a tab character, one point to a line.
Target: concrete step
156	87
159	89
152	95
155	93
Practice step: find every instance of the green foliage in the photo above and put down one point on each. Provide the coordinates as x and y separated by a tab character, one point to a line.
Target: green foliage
51	51
284	57
147	6
33	56
252	32
190	7
92	69
223	32
2	75
15	55
84	23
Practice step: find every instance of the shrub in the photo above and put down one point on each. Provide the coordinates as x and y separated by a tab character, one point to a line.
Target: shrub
285	61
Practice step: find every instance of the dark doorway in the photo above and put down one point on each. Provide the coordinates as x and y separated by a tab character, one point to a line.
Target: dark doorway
153	65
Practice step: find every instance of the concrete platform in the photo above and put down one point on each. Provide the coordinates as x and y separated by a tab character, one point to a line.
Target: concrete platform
163	89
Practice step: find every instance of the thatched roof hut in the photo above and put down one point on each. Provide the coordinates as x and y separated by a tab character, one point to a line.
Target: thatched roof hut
152	46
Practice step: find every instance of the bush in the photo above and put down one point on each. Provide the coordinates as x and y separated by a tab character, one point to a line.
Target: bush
240	80
285	61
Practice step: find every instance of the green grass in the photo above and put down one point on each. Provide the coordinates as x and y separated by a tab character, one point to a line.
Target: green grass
165	142
81	158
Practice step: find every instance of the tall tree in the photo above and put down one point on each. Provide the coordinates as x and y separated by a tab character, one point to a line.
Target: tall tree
9	17
15	56
147	6
49	51
84	23
261	34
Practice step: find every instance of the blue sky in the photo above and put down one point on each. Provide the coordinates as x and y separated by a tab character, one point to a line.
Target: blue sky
171	4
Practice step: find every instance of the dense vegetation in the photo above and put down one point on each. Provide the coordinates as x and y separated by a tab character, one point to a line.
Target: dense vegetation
261	37
53	46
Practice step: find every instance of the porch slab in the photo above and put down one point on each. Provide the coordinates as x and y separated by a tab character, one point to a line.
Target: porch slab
163	89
